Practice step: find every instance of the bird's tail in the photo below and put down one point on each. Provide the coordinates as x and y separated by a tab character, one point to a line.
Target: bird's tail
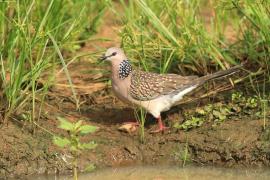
219	74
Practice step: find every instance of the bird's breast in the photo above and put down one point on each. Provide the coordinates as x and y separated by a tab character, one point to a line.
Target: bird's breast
121	91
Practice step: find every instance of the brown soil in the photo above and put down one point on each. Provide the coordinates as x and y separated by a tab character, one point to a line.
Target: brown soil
232	143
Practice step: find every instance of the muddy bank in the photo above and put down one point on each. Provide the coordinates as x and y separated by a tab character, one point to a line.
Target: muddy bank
232	143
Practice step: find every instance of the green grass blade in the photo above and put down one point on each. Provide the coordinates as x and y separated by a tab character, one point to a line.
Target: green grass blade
65	70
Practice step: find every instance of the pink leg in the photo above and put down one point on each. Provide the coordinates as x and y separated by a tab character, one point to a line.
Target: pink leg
161	127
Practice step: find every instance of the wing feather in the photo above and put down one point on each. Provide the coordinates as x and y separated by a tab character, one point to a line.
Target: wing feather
147	86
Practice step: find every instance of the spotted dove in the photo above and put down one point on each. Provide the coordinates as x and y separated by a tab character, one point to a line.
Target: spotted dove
154	92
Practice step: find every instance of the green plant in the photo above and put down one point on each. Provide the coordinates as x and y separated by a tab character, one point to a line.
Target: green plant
177	36
265	111
186	155
189	123
32	36
238	106
72	140
183	154
247	104
162	34
140	115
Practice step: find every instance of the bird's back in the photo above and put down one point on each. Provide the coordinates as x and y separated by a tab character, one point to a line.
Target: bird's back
146	85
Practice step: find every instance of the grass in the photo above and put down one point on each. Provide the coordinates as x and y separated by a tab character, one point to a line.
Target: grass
172	35
199	37
183	153
33	34
180	36
168	36
140	115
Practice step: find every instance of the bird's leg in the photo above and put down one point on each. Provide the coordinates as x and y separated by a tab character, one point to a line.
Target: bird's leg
161	127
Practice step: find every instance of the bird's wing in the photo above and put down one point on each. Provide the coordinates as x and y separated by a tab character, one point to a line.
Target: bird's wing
147	86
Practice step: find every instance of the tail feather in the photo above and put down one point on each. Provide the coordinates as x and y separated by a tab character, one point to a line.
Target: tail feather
219	74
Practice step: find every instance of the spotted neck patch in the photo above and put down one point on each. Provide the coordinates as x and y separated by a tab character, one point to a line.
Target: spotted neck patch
124	69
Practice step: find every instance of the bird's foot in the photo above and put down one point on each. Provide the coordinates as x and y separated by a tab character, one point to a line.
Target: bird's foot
160	129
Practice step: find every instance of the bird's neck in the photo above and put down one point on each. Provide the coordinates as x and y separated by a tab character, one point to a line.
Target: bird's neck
124	69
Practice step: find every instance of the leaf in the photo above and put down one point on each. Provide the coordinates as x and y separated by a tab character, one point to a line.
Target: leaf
90	145
74	148
78	124
236	108
210	117
200	111
65	124
224	111
208	108
219	115
216	113
90	168
85	129
222	117
177	125
191	123
61	142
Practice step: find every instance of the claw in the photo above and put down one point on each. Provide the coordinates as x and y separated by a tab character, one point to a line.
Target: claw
161	128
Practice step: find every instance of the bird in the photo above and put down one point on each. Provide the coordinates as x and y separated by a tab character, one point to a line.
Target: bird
154	92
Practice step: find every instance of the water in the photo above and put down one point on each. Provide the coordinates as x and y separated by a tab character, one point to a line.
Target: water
168	173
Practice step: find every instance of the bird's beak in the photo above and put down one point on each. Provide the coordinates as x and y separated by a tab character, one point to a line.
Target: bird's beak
103	57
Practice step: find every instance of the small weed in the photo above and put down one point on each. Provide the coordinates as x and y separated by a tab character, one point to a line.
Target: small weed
183	154
244	104
190	123
255	105
140	115
73	142
265	111
238	106
28	29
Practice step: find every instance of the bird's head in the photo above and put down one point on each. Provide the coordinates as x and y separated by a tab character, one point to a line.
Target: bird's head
114	54
119	61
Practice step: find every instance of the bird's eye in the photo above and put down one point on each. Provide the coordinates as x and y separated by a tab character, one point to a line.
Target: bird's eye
114	53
